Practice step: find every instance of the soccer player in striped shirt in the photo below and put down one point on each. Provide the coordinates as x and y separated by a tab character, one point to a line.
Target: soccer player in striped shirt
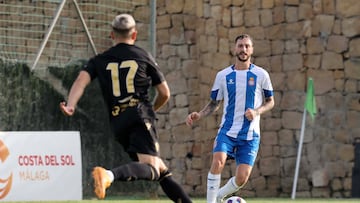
247	92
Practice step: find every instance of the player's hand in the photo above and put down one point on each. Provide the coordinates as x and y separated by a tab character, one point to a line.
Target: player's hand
67	111
194	116
250	114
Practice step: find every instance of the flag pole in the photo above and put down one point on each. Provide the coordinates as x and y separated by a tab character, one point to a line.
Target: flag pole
310	105
298	159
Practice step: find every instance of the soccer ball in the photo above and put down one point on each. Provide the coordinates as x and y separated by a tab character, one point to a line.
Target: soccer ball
235	199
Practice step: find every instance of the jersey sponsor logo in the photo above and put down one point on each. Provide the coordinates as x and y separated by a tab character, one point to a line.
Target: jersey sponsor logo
117	109
230	82
251	81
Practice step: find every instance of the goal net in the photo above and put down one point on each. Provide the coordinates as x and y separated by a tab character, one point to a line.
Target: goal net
44	33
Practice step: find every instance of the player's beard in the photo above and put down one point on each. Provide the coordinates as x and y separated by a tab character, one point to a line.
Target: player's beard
244	58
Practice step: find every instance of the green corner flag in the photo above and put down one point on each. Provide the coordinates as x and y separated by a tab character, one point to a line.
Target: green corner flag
310	103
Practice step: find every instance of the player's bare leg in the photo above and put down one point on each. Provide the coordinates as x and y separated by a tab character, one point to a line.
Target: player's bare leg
235	183
214	176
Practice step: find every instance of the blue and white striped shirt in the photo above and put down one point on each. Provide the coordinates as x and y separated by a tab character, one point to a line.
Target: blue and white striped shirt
240	90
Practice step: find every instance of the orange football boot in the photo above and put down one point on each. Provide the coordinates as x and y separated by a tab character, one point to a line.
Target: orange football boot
101	181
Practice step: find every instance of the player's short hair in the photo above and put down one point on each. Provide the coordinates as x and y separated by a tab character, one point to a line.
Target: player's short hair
244	36
123	24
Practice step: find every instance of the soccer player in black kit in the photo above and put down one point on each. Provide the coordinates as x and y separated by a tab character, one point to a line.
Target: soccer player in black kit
125	73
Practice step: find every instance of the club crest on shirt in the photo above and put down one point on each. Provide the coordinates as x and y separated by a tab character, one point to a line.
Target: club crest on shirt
251	81
231	82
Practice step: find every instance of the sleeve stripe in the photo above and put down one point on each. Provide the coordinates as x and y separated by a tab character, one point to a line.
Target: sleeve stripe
214	94
268	93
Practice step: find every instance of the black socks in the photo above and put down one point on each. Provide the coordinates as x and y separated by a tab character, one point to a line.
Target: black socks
139	171
135	171
172	189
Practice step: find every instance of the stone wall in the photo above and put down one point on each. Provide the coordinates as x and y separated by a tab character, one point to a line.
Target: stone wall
294	40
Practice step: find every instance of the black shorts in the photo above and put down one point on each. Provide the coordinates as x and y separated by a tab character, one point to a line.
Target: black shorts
134	129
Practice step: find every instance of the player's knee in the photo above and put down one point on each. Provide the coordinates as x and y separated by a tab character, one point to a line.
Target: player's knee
241	179
164	174
217	166
155	173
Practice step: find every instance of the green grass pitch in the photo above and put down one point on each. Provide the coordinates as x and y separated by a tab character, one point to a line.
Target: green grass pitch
202	200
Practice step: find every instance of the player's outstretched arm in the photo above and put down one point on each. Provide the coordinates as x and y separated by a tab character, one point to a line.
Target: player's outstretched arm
212	106
76	91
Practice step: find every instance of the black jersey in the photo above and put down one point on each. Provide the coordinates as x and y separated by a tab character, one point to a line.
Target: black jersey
124	71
